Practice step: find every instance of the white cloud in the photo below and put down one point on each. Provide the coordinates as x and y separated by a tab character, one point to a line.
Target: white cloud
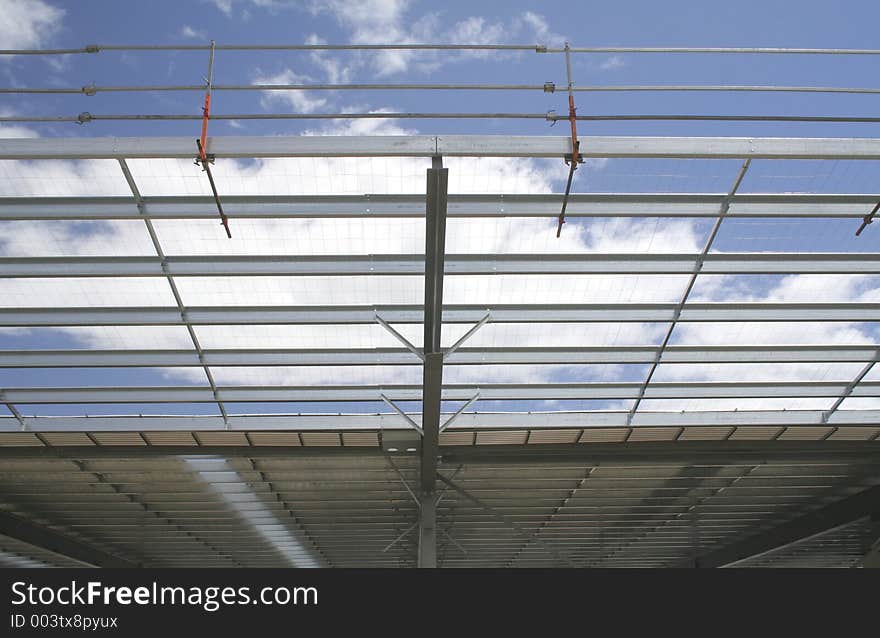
391	22
223	5
613	63
334	70
15	130
191	33
28	24
298	101
539	26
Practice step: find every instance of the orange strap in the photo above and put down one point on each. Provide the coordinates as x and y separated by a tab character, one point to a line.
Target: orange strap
572	117
206	110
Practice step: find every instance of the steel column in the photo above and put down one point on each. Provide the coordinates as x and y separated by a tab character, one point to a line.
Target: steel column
432	375
427	531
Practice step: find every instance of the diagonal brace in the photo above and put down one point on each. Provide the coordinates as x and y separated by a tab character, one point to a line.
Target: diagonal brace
469	403
467	335
504	519
393	406
394	333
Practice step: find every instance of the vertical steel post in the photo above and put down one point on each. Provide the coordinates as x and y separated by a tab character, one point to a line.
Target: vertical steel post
432	375
428	531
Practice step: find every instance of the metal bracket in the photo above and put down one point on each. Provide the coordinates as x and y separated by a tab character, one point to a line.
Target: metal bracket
205	160
209	159
549	87
91	89
569	160
92	48
868	219
84	118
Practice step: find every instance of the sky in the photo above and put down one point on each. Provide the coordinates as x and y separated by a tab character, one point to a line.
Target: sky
55	24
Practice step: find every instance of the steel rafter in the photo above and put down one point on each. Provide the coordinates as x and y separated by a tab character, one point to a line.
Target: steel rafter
697	270
181	308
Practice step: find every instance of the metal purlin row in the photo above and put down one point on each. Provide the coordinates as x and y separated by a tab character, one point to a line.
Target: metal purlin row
142	209
698	267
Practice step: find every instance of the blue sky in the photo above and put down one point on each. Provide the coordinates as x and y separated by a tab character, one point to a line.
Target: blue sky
57	24
625	23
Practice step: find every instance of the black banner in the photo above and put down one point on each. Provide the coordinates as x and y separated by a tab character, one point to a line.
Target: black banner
228	602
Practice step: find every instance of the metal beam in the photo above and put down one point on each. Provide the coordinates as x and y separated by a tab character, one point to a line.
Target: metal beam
779	419
840	512
394	265
446	145
544	313
434	392
745	205
639	454
79	358
774	419
58	543
674	453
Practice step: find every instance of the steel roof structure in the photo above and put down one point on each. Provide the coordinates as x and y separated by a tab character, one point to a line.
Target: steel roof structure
632	468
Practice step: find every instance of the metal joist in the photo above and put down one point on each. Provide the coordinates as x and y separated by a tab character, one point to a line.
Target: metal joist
463	356
445	145
393	265
487	392
548	313
685	205
777	419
